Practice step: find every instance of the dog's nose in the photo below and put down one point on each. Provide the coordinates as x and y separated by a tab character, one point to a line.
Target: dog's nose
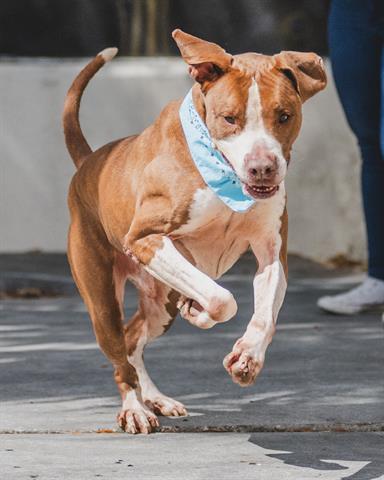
259	169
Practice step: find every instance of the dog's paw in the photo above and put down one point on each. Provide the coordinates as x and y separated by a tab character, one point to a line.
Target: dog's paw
220	308
195	314
137	420
163	405
243	366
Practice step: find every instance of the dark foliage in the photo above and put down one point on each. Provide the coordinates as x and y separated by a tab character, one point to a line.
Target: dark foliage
70	28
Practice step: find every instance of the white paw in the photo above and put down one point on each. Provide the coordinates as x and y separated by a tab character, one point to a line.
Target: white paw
243	366
135	417
167	406
194	313
137	421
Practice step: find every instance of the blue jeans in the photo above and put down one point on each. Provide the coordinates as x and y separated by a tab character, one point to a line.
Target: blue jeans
356	40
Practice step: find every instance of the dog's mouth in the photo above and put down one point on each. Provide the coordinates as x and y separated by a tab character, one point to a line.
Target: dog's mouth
261	191
255	191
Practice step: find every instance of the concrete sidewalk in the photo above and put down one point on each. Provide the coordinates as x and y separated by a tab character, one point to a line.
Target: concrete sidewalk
198	456
323	374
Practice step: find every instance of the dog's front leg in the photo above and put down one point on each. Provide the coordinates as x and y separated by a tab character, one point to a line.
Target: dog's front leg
205	302
247	357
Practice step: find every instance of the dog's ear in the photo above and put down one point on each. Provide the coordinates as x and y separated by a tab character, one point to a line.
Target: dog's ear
305	70
207	61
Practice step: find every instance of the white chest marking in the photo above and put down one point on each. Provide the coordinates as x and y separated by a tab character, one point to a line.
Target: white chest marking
268	214
205	207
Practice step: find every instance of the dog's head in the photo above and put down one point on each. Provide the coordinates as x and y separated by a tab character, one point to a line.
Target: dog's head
251	104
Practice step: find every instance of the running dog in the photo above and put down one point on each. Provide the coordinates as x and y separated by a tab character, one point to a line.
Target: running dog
173	208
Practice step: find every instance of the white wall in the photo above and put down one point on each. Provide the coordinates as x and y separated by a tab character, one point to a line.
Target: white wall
323	186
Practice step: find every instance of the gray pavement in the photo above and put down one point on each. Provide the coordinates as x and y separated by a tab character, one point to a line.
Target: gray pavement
198	456
58	399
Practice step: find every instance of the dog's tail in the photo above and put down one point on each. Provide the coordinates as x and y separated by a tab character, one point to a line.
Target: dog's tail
76	143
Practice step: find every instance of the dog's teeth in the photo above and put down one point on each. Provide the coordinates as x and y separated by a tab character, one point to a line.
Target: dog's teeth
262	189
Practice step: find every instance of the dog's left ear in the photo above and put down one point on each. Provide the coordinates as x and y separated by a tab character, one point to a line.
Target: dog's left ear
305	70
207	61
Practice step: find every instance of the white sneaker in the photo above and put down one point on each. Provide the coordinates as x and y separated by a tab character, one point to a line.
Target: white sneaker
366	296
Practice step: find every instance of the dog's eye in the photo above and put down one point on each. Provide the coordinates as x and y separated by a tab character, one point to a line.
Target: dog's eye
231	120
284	117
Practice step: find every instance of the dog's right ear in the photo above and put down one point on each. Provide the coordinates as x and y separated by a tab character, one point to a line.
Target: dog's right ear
207	61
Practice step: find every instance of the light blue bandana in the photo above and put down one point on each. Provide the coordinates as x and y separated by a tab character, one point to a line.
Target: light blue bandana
215	170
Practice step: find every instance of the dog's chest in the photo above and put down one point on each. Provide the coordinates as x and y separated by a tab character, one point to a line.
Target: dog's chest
214	234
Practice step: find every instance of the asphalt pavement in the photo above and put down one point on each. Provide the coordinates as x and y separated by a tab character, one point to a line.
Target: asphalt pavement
316	411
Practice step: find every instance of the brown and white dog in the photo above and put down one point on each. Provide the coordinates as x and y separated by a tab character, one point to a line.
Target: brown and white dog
141	211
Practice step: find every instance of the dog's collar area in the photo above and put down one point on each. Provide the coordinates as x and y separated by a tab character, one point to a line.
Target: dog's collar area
215	170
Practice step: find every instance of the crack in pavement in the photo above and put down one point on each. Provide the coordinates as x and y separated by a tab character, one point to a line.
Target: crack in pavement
305	428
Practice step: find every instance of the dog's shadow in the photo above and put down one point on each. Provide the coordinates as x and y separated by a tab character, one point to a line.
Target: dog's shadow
322	451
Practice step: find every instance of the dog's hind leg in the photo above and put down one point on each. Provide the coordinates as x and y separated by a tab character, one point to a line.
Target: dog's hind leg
156	312
93	264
